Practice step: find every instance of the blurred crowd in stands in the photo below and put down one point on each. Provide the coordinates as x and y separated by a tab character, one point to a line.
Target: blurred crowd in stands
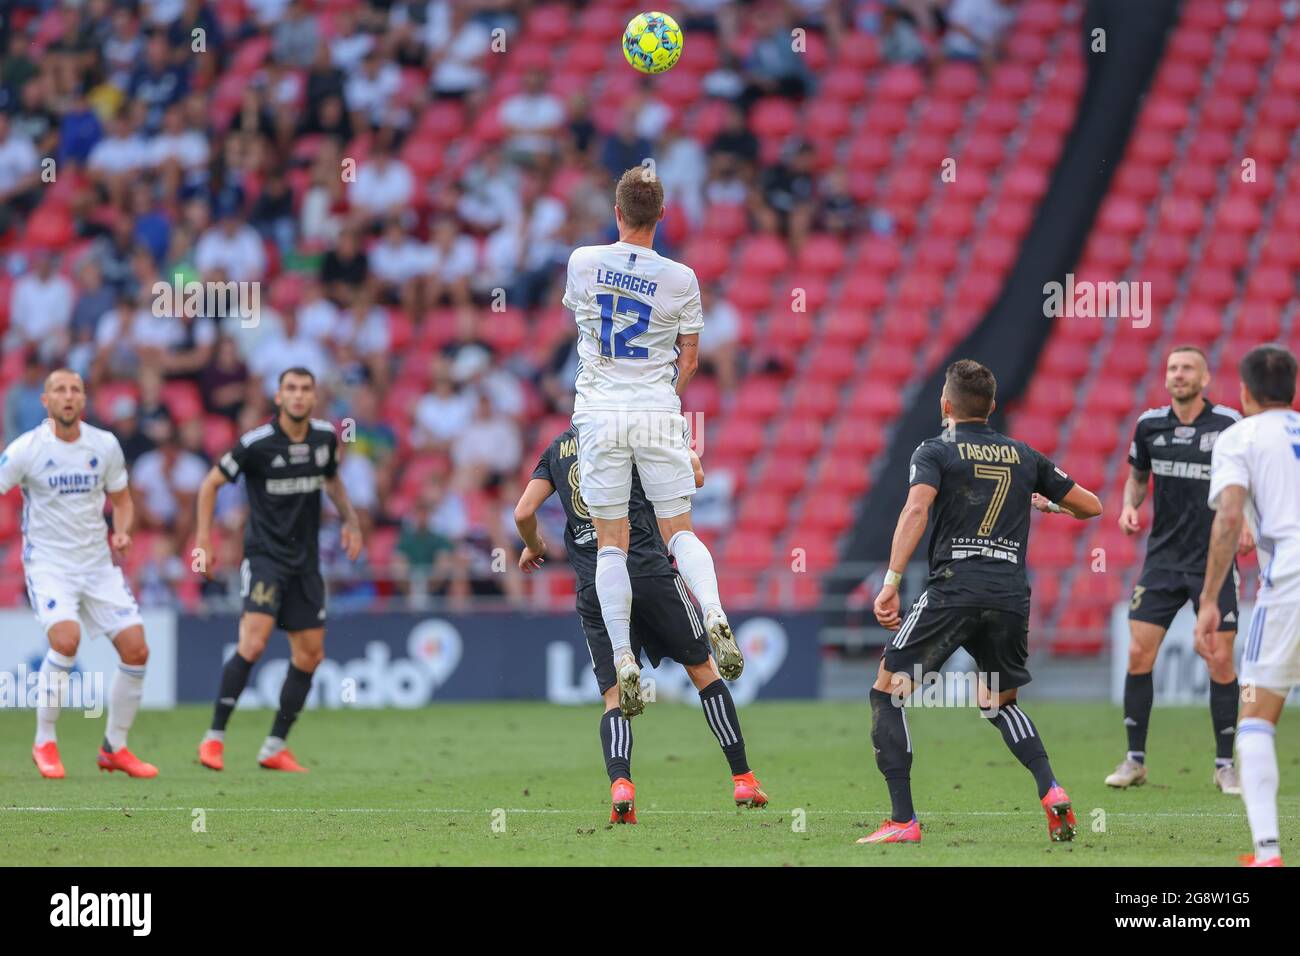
390	184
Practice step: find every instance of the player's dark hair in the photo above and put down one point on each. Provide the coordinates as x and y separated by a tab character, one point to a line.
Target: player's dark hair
640	197
297	370
1268	372
1190	348
971	388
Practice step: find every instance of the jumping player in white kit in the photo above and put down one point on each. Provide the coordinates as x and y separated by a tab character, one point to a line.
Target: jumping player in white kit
639	321
1255	475
65	469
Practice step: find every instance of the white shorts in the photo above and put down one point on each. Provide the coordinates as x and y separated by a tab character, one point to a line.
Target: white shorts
610	442
97	598
1271	658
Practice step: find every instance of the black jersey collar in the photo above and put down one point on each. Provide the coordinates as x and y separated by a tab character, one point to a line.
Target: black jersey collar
1207	408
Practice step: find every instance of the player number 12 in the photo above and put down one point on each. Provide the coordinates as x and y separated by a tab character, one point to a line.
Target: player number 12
621	345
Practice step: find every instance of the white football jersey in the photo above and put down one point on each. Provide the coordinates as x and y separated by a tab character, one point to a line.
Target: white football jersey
63	485
630	304
1262	454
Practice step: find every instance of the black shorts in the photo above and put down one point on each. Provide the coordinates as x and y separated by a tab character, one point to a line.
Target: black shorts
1160	595
665	623
997	639
296	599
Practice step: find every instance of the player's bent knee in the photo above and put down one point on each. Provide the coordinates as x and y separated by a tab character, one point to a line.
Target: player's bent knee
131	646
65	638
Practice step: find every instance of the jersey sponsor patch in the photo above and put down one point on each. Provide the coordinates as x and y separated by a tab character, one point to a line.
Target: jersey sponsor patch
1180	469
294	486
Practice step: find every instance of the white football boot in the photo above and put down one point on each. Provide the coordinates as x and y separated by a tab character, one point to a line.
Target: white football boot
725	649
629	686
1129	773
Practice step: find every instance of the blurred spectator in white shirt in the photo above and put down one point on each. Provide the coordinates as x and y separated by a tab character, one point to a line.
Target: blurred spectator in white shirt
40	309
384	185
489	444
532	117
233	247
976	27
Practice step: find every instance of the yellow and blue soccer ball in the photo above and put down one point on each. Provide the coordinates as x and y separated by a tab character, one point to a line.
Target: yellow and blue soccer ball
652	42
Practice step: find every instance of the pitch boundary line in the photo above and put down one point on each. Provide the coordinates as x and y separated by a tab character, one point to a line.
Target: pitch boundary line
1141	814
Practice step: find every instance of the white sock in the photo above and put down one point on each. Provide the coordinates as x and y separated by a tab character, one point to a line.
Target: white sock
215	735
124	703
1257	757
695	565
270	747
53	678
614	592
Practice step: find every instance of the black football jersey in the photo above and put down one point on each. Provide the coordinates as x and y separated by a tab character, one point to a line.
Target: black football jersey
647	555
283	479
1178	458
979	523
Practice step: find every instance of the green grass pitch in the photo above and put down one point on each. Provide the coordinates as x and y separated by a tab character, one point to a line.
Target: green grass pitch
426	787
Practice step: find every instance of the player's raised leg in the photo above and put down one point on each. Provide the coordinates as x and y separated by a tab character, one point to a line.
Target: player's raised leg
124	703
1022	739
616	747
605	480
1139	693
254	631
64	638
307	650
724	722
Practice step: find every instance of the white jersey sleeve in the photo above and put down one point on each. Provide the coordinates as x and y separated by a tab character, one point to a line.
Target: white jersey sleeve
1228	464
115	477
14	462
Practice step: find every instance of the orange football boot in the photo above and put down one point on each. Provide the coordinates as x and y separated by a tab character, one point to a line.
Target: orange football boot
212	754
622	793
749	792
283	761
127	762
47	760
1249	860
891	832
1060	815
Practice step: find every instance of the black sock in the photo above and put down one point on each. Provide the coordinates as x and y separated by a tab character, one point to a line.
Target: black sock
893	748
1223	714
234	677
616	744
1022	738
720	712
293	696
1139	692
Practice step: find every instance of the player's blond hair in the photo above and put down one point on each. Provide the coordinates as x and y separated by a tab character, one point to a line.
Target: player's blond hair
639	196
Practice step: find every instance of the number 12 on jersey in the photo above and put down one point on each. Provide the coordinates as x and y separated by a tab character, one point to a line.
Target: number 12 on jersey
620	345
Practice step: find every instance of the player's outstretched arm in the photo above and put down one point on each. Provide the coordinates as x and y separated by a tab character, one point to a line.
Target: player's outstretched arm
205	506
350	537
688	359
536	492
123	519
1079	503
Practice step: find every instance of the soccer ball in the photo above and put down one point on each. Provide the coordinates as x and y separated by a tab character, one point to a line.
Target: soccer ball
652	42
